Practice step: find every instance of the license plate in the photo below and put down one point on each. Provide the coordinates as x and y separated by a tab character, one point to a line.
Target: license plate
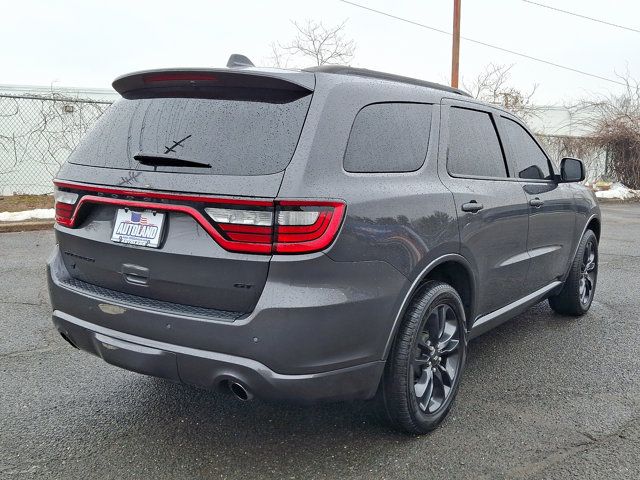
138	228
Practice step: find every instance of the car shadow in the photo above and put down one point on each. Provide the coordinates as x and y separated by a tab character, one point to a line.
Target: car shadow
171	426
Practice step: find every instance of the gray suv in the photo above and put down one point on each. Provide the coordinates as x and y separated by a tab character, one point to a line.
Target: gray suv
323	234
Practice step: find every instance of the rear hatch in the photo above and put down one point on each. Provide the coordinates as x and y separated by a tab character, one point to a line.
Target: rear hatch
170	195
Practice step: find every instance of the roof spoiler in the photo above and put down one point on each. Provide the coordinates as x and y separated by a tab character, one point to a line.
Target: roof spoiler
234	84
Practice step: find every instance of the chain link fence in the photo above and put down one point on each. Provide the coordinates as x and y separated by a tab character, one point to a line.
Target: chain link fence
37	133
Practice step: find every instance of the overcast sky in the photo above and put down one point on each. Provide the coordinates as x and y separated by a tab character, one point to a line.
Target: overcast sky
88	43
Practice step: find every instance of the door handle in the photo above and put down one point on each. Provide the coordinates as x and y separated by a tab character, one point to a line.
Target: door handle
472	206
536	202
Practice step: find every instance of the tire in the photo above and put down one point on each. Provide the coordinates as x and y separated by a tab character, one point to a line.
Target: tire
576	295
426	361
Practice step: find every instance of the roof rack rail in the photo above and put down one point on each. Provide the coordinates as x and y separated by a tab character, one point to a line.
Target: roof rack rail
363	72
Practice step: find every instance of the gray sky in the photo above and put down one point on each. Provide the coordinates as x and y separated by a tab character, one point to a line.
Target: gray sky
88	43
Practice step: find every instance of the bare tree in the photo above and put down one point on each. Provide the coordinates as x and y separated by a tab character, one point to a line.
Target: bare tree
614	121
278	58
492	85
316	43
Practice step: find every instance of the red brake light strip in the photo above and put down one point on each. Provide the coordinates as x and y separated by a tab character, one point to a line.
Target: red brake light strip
240	238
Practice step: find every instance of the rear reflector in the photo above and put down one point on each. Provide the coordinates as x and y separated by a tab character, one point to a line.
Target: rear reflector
237	225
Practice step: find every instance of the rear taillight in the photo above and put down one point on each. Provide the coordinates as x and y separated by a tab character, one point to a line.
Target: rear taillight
65	206
306	226
248	230
296	226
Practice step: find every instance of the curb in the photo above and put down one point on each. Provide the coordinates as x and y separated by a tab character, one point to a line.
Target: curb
26	226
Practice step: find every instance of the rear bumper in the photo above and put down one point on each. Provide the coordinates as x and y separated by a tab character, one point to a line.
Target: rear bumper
211	370
318	332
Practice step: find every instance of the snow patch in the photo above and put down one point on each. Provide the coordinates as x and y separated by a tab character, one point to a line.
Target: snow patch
618	191
35	214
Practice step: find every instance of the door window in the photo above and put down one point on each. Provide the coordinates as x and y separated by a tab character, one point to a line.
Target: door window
474	148
523	152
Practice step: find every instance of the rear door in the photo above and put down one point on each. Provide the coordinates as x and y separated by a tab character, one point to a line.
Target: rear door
551	206
492	209
196	158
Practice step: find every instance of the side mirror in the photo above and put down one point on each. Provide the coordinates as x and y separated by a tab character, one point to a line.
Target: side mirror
571	170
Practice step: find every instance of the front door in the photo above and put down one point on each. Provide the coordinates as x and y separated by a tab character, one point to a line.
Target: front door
551	206
492	208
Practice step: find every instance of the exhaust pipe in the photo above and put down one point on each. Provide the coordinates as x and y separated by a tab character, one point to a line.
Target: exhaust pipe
240	392
68	340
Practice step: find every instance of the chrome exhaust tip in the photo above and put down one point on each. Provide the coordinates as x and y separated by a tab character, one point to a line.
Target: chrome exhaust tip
240	392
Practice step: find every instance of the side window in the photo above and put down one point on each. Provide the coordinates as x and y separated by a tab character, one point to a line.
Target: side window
474	148
389	137
523	152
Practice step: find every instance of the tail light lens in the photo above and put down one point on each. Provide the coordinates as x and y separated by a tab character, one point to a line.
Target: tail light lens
65	204
263	218
249	230
304	227
299	226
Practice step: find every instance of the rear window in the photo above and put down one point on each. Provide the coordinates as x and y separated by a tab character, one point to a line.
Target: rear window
388	137
474	149
234	137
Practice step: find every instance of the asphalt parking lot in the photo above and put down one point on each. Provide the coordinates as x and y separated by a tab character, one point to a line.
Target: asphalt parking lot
542	397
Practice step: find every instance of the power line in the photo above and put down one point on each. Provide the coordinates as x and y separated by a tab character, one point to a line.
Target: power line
513	52
582	16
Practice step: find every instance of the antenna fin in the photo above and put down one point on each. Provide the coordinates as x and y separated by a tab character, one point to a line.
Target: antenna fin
238	61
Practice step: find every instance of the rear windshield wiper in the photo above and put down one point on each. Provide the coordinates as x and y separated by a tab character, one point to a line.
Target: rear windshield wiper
164	160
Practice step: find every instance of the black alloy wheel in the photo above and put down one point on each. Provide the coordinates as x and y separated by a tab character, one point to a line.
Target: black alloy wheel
588	273
436	362
576	295
424	367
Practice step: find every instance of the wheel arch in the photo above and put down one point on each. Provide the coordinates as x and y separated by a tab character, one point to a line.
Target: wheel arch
453	269
594	225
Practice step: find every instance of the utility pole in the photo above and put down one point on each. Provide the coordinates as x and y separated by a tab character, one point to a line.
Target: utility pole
455	50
